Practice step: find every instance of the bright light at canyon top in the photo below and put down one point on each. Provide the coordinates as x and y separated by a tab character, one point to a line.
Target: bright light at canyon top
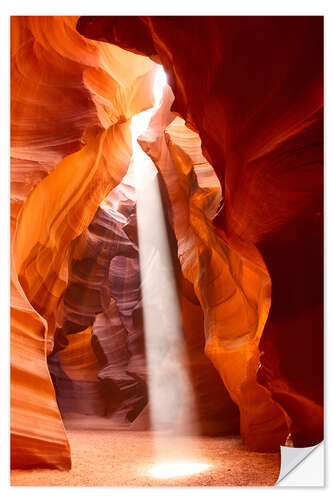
140	122
159	84
171	397
141	166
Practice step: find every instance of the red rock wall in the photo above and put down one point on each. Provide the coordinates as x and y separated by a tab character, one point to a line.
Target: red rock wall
252	88
104	291
252	276
70	145
71	103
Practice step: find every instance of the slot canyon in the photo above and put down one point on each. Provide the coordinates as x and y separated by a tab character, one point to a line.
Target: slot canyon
166	248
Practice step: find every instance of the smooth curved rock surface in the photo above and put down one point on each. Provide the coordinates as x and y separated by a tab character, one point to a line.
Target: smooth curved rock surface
103	292
259	116
220	279
74	371
70	145
248	263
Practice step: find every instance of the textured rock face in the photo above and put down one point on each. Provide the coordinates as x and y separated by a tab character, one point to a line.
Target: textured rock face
249	279
103	292
62	168
220	279
255	97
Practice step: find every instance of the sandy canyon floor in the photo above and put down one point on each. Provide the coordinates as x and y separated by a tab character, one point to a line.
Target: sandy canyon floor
124	458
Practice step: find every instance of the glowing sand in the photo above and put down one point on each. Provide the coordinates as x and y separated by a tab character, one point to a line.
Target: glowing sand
176	469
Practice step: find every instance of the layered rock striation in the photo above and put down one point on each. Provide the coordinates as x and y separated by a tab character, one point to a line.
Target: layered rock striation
240	173
70	145
255	97
103	293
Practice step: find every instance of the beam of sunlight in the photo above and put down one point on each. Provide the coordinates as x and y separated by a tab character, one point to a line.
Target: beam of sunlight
171	395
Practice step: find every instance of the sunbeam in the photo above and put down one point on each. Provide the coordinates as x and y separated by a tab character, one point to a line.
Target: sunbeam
168	378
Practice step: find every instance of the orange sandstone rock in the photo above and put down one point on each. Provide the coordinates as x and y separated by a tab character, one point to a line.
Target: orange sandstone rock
70	145
255	97
233	292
